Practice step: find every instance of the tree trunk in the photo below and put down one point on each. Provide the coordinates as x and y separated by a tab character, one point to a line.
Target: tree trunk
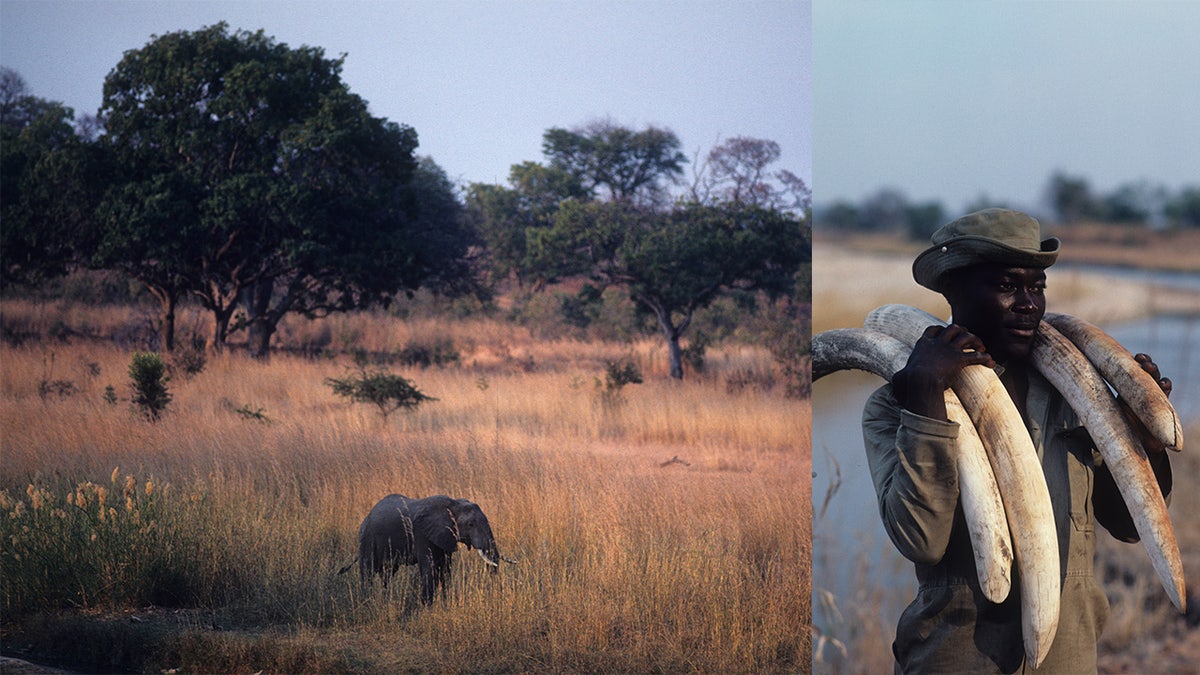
168	299
671	333
261	323
676	356
167	329
221	317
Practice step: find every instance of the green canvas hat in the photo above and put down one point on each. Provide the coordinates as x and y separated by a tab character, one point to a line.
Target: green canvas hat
989	236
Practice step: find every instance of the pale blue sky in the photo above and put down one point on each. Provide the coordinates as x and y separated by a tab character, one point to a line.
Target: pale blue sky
949	100
481	81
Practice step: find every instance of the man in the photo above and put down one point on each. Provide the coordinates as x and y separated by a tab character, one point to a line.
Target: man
990	265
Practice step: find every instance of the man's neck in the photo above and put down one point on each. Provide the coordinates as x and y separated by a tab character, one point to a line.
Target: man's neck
1015	377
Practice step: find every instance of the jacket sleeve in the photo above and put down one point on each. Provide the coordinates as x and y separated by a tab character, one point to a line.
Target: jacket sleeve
912	465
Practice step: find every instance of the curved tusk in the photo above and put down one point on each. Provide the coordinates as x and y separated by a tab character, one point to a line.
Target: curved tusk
857	349
1088	394
983	507
1125	374
884	355
486	559
1018	472
510	561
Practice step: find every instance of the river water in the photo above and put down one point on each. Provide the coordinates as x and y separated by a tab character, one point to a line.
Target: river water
858	577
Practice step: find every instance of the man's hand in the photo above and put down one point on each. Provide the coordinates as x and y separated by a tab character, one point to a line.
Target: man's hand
1152	445
936	360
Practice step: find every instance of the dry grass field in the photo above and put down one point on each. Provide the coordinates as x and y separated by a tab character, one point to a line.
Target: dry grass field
209	541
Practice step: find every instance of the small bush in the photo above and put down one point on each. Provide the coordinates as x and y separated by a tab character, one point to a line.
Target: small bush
246	412
149	376
59	388
617	374
190	357
387	391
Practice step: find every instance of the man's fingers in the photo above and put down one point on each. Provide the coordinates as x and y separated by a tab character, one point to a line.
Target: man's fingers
1152	368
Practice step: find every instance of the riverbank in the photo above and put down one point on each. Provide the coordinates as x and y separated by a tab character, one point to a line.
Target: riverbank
852	278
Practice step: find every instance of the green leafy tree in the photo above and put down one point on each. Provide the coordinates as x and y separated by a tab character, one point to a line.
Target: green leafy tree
50	180
253	176
502	216
617	163
676	262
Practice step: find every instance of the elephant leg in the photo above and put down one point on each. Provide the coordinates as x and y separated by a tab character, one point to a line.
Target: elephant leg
429	577
441	566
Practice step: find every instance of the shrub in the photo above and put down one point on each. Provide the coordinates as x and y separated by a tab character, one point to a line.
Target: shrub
389	392
190	357
617	374
149	376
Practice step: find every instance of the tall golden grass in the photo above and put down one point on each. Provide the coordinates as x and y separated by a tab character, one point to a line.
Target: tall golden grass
258	477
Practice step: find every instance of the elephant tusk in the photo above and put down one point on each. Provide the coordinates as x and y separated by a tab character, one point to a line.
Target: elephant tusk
884	355
510	561
486	559
1018	473
1087	393
857	349
1126	375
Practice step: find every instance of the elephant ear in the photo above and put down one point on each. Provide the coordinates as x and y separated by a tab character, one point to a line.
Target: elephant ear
438	527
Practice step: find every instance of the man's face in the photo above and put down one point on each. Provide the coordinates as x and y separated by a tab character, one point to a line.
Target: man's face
1001	305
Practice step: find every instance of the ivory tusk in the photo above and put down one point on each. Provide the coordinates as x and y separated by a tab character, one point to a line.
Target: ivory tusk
1018	473
1088	394
486	559
883	355
1125	374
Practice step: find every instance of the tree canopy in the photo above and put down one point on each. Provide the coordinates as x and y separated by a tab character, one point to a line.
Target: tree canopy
48	178
672	258
247	171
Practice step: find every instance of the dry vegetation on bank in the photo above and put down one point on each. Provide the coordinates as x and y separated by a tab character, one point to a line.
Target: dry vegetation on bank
853	276
209	540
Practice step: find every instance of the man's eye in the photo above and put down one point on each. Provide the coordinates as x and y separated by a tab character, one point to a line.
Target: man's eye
1006	287
1038	290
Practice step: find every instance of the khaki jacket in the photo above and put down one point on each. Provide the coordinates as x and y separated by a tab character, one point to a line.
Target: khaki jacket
950	627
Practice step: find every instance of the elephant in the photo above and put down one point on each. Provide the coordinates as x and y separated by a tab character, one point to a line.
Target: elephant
423	532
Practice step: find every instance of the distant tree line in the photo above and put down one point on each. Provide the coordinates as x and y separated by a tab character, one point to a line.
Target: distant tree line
1069	199
229	170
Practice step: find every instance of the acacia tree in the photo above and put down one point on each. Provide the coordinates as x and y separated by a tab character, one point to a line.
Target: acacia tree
277	187
675	262
617	163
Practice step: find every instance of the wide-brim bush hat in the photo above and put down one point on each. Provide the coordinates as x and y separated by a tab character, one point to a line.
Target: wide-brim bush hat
1000	236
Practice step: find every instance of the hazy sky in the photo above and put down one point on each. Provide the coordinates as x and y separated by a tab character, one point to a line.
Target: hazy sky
481	81
950	100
